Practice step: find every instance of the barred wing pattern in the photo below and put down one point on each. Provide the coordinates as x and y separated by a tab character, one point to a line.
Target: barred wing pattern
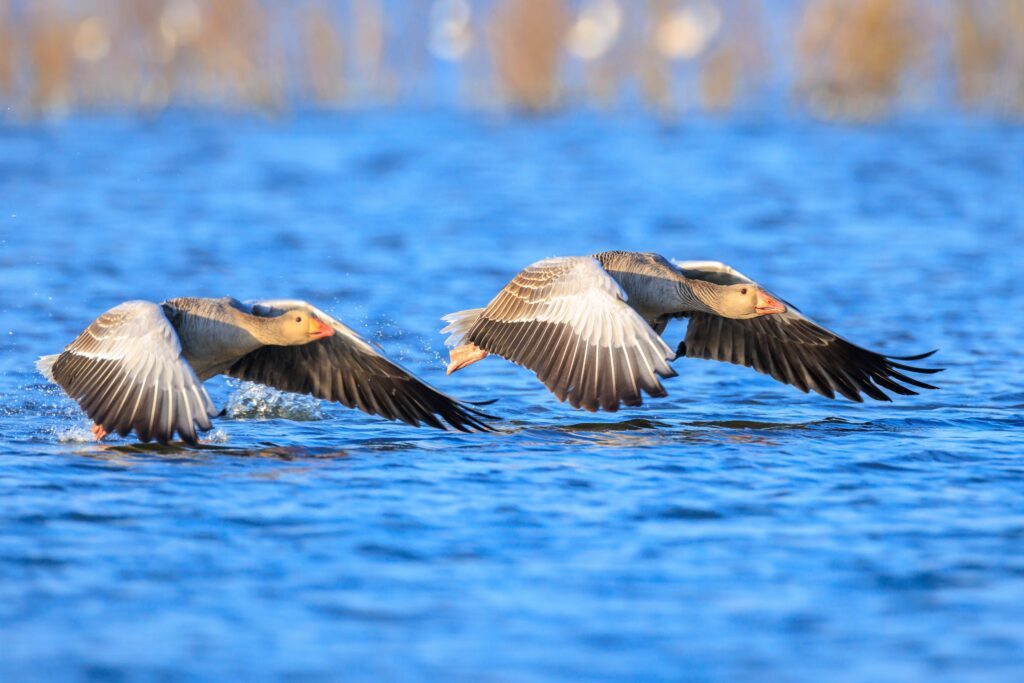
567	320
795	350
346	368
127	373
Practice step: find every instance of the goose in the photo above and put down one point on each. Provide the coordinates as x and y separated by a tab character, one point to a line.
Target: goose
141	366
590	328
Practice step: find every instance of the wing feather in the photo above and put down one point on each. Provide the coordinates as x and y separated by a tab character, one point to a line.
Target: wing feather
794	349
568	320
346	368
127	372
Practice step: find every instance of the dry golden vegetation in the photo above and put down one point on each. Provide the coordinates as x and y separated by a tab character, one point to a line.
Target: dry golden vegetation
841	59
853	58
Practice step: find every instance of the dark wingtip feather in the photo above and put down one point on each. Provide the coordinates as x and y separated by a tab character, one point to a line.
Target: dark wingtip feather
920	356
910	380
806	356
913	368
484	416
189	439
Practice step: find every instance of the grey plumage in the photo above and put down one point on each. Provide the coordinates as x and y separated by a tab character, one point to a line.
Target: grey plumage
568	320
127	372
590	327
348	369
795	350
140	367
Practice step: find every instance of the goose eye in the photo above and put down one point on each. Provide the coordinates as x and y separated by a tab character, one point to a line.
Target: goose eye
298	319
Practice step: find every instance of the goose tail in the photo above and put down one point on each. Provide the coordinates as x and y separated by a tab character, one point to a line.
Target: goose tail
459	325
45	365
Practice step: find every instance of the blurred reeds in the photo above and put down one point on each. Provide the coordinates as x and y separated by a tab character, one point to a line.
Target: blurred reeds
853	57
837	59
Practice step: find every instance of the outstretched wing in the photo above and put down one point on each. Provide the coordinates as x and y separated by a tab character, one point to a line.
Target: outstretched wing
346	368
126	371
795	350
567	320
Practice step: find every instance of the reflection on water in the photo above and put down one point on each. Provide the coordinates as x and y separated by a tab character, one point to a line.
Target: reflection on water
737	528
634	424
182	451
830	422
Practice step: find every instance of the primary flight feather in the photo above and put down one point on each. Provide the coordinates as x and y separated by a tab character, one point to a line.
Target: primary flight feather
141	366
590	328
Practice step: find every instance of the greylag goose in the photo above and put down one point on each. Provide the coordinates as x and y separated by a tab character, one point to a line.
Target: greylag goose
590	328
140	366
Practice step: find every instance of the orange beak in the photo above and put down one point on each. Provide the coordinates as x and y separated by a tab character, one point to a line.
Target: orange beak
767	304
318	329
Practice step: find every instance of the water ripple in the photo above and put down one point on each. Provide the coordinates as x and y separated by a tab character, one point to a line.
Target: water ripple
735	530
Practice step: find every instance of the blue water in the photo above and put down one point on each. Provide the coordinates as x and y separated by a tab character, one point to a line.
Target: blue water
736	530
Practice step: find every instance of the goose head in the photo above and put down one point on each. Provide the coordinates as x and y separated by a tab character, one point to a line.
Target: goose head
744	301
296	327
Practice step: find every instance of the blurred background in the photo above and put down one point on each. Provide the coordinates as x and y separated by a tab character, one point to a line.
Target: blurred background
393	161
833	59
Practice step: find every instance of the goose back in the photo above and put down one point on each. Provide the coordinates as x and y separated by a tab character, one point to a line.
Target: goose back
654	287
214	333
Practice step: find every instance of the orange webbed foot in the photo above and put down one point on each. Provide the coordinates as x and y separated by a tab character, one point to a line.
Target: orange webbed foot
98	431
464	355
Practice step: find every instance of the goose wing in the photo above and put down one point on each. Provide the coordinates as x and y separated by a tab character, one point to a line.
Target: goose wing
127	372
794	349
567	320
346	368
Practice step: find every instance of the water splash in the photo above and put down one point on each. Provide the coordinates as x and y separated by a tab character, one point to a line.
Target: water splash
215	436
74	434
259	402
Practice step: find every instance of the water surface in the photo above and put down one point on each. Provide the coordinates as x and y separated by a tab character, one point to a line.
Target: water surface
737	530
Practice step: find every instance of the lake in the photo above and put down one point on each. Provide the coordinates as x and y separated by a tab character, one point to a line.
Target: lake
735	530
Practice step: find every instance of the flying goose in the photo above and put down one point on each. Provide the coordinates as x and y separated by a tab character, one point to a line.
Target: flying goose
590	328
140	366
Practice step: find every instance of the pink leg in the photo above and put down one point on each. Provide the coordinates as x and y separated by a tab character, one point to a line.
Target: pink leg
98	431
464	355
